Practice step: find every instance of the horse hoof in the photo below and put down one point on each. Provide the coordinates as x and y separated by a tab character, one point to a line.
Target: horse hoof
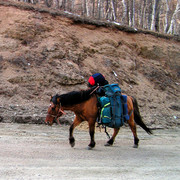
72	144
89	148
107	144
135	146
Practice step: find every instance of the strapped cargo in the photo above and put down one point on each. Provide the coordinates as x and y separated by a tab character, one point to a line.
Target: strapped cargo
113	107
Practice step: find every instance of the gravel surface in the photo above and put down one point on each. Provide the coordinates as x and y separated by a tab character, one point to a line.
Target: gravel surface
29	151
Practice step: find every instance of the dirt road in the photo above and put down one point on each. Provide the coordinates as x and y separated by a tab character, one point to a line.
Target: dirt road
42	152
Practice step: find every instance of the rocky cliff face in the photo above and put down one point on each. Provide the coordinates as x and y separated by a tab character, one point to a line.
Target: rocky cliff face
41	55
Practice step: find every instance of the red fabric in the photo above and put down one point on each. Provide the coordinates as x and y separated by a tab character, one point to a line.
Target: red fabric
91	81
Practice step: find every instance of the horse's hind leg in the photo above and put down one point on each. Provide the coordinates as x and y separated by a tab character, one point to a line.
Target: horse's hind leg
91	132
133	129
111	140
71	129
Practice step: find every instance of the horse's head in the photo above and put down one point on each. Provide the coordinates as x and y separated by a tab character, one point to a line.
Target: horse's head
54	110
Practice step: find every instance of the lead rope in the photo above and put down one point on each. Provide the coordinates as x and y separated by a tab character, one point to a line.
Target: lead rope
106	132
57	119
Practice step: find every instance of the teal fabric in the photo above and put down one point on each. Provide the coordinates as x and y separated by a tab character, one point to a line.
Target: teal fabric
112	109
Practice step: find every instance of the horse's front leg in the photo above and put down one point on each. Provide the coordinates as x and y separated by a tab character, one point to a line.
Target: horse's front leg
91	132
111	140
71	129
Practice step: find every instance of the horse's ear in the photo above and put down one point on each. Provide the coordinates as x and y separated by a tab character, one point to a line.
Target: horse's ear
51	98
58	100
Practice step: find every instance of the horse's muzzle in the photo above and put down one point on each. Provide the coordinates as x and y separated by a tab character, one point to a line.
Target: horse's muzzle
48	123
49	120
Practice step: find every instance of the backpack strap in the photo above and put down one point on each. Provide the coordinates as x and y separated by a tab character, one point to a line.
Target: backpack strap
106	132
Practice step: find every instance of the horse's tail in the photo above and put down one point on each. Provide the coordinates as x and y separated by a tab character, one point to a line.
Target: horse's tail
137	116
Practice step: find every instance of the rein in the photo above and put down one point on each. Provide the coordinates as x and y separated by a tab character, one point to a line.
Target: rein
62	111
57	117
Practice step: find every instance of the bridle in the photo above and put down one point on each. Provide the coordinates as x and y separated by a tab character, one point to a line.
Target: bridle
60	113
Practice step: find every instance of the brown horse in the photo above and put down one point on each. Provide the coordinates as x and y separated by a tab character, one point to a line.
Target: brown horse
84	105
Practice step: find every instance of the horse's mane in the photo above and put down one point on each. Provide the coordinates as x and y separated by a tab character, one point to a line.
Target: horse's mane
73	97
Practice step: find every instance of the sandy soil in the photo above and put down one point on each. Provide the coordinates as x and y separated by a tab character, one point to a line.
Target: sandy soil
42	152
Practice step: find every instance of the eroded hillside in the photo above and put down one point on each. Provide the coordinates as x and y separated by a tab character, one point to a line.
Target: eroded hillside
41	55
